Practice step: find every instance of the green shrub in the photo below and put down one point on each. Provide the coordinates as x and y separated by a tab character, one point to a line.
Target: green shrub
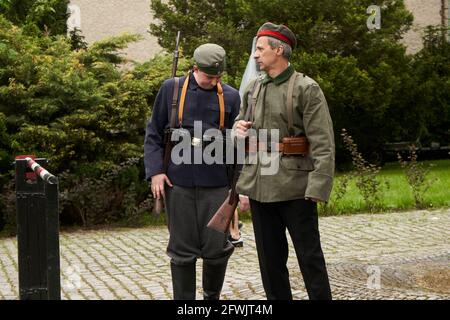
105	197
373	88
37	16
84	113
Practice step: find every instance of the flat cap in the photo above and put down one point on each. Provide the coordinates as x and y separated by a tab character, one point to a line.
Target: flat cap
210	58
278	31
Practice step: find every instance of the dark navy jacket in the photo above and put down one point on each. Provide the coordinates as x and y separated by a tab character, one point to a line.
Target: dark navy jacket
200	105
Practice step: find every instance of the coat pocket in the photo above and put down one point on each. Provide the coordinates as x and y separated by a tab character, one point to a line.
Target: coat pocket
297	163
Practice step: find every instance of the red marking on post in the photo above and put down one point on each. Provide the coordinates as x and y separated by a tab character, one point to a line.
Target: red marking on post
28	175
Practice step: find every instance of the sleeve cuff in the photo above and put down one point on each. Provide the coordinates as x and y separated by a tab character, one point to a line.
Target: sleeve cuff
319	186
150	173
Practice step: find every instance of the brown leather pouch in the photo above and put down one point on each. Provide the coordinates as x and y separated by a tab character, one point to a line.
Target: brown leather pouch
295	145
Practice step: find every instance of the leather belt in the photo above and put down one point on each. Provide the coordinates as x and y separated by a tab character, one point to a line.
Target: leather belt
299	146
271	147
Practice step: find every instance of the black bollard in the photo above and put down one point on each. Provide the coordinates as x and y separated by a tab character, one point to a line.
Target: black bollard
37	233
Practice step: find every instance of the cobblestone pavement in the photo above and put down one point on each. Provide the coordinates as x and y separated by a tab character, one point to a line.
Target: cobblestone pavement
381	256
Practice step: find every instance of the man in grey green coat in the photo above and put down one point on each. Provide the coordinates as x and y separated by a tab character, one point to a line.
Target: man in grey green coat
293	104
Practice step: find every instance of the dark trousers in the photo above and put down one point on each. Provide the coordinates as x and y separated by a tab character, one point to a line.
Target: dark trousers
270	221
188	211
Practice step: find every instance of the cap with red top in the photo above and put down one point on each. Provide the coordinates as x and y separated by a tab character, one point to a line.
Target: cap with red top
278	31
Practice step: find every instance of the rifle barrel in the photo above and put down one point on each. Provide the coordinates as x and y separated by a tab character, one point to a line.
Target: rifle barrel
175	56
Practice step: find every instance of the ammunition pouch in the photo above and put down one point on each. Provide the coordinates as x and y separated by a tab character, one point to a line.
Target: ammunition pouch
294	146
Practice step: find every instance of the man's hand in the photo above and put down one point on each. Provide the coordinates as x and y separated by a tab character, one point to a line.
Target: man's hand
244	203
157	185
242	128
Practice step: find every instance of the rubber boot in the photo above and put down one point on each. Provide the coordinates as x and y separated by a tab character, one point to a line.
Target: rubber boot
213	277
183	281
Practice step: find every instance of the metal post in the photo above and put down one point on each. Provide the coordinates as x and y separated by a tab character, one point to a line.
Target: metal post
37	234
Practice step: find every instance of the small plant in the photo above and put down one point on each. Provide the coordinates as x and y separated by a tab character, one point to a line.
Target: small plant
8	209
77	41
339	191
416	175
341	187
365	173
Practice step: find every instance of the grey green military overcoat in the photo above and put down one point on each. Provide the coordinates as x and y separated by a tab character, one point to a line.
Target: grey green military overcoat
298	177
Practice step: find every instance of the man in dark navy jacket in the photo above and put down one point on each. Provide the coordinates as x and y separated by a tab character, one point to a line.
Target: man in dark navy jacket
193	190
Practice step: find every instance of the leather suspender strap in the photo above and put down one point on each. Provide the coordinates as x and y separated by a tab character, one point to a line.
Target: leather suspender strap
290	103
221	106
251	101
176	89
254	99
219	96
183	99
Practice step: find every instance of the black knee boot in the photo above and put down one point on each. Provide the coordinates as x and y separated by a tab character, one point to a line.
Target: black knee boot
213	277
183	281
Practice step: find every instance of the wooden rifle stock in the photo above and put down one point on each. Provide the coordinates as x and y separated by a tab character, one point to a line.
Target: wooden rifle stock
222	218
158	205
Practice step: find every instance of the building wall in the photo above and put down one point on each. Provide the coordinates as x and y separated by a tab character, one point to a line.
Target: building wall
104	18
426	12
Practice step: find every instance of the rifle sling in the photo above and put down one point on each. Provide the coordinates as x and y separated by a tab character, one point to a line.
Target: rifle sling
173	121
176	89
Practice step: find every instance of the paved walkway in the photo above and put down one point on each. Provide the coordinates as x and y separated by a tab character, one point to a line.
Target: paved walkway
402	255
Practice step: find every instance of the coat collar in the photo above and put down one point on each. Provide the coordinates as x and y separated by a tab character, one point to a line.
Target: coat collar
282	77
193	85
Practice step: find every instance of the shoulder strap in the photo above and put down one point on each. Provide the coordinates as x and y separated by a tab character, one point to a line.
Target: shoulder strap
183	98
221	106
176	89
251	101
290	103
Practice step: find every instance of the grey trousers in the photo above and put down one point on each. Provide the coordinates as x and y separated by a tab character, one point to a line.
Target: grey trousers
188	211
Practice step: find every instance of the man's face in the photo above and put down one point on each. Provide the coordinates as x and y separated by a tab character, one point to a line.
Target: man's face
264	55
204	80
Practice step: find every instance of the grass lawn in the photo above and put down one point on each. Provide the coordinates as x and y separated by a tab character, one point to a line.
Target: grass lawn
398	196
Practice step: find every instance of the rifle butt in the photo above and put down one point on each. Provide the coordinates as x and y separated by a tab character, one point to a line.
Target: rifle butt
158	206
222	218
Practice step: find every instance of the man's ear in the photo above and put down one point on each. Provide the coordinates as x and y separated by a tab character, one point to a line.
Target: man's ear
280	51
